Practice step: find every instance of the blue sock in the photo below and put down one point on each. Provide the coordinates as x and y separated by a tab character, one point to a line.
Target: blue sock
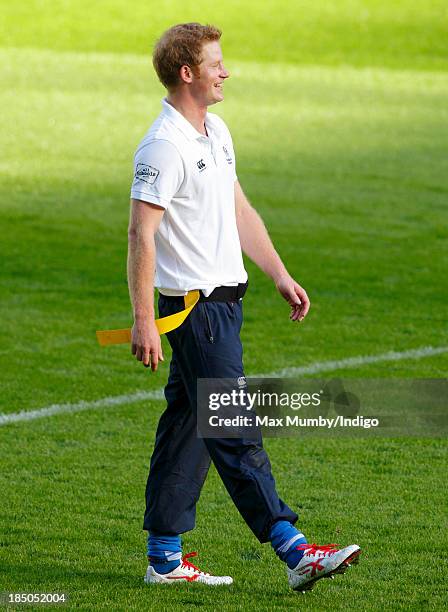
164	551
284	539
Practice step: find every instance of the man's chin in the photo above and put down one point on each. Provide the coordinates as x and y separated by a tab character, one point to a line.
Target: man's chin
215	100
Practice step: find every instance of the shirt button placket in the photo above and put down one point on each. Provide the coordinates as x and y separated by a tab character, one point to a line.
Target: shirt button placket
213	152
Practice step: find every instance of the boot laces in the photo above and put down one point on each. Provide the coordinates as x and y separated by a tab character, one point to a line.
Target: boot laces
313	549
188	565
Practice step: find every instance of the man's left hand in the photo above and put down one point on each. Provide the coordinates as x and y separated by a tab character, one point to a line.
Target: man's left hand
295	295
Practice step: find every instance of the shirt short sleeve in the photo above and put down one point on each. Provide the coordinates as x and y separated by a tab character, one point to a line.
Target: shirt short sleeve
158	173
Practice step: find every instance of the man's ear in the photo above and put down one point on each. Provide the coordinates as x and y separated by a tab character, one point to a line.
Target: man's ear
186	74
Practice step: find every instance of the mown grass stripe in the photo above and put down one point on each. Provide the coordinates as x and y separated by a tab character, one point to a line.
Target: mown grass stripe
157	394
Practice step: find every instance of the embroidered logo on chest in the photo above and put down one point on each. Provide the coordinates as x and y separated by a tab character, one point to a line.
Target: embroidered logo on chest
201	165
229	159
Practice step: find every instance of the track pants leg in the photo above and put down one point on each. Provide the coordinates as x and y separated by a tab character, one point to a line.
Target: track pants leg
206	345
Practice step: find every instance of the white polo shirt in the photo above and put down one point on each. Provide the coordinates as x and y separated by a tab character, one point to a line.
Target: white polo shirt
193	178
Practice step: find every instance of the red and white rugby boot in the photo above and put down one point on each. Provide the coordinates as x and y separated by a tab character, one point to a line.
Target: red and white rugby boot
321	562
185	572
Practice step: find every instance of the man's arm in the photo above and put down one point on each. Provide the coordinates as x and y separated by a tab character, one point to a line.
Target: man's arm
143	223
257	245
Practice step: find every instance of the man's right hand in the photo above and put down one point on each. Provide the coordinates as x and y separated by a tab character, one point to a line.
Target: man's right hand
146	344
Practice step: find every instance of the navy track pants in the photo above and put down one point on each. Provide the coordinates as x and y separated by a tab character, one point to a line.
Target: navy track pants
206	345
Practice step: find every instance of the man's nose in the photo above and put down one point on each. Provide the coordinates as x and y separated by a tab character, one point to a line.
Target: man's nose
225	73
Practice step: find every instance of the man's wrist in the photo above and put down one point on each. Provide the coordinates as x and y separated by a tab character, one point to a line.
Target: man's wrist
279	275
141	317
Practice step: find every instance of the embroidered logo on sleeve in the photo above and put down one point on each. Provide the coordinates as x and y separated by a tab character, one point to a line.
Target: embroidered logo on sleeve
146	173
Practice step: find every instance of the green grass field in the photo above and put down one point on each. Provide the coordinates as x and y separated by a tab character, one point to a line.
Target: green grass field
339	118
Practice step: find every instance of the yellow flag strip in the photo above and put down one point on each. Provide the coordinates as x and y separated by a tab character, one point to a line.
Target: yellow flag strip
164	325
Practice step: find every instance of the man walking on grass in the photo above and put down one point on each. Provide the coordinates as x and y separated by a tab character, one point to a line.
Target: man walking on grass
189	222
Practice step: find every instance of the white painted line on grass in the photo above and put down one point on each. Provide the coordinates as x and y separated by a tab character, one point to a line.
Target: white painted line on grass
353	362
105	402
157	394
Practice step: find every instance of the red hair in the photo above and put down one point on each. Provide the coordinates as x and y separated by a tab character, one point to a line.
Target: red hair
179	46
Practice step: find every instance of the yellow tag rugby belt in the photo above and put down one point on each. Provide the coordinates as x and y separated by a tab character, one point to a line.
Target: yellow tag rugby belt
167	324
164	325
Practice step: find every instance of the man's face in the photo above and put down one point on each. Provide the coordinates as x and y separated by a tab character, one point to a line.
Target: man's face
208	88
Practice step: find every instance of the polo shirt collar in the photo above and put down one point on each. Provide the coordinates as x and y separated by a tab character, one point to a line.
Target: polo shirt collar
183	124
